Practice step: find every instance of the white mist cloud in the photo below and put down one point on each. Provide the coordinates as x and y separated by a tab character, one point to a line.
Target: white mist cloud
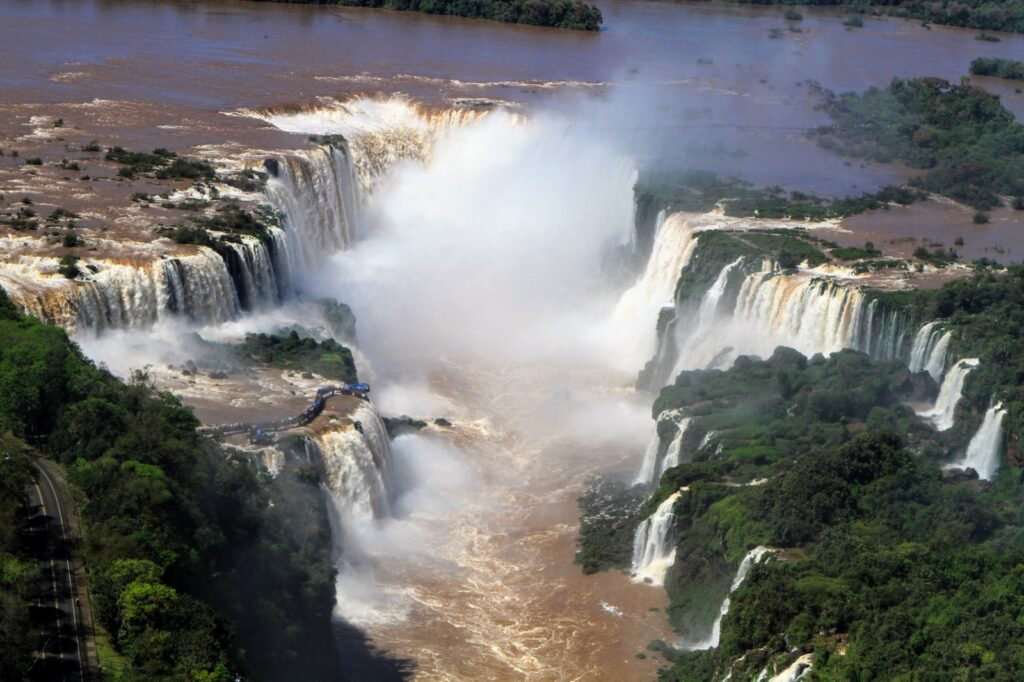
492	247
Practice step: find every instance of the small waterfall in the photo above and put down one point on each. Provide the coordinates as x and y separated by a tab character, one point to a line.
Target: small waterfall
316	191
880	333
252	267
121	295
639	306
673	453
650	461
709	304
754	556
923	341
943	412
935	360
357	466
654	463
986	444
654	544
795	672
929	350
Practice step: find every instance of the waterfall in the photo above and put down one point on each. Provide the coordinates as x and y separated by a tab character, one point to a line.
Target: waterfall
985	446
944	410
650	461
653	465
654	544
638	308
880	333
357	466
120	295
672	454
796	671
316	191
811	314
709	304
754	556
929	350
253	269
935	362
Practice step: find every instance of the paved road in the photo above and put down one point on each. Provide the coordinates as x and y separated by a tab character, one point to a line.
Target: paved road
61	652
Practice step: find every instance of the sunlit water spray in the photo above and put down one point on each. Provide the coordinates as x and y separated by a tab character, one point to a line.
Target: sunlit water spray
480	298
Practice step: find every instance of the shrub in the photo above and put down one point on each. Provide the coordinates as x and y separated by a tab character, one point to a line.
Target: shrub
69	267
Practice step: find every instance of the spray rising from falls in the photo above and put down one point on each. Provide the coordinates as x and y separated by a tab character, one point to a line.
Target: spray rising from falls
654	543
944	410
986	445
754	556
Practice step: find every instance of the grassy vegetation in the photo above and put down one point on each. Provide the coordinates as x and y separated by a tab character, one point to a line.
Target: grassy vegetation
609	514
69	267
199	566
970	146
572	14
702	191
988	15
907	573
885	568
161	163
762	416
1000	68
327	358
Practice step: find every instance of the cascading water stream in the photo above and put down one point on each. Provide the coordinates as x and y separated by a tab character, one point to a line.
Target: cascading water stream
639	306
944	410
654	547
316	192
753	557
654	463
929	350
986	445
197	287
357	466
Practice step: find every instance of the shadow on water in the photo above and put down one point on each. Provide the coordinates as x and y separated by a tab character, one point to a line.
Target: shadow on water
362	661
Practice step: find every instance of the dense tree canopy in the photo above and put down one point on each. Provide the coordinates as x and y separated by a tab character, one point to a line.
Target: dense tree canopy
200	568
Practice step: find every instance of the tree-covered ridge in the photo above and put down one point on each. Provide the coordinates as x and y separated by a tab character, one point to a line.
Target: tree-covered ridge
971	147
985	312
989	15
200	569
571	14
884	568
703	191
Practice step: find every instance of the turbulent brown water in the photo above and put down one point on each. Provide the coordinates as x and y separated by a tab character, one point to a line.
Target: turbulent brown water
477	582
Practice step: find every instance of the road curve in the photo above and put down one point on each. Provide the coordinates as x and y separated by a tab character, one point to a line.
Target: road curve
62	648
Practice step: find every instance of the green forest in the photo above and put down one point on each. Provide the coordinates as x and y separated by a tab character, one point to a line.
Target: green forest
989	15
571	14
201	567
884	566
970	147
